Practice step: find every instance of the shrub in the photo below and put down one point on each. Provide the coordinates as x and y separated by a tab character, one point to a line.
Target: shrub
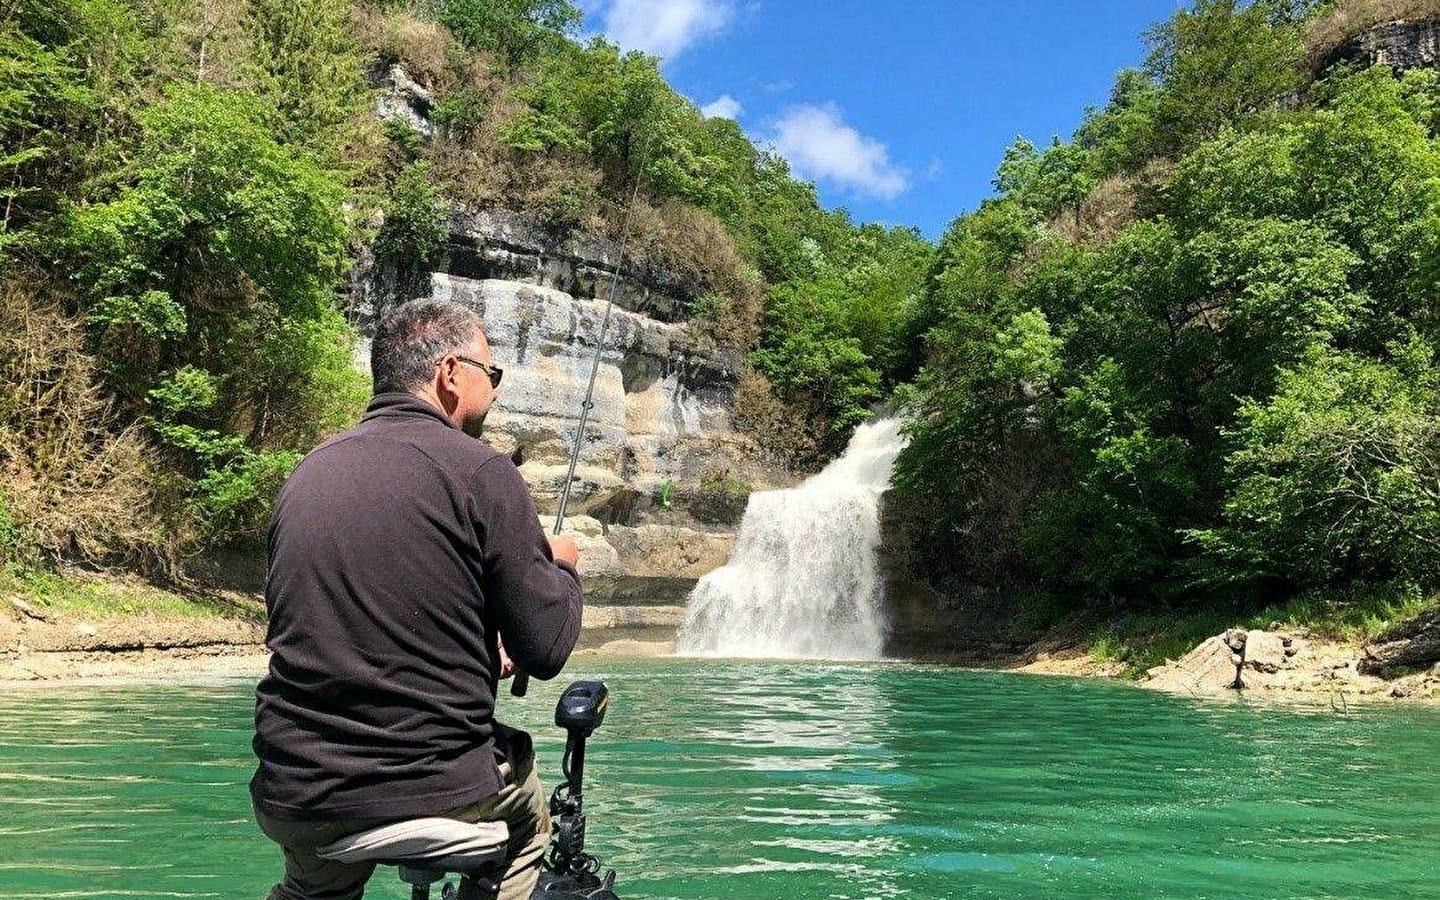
784	431
426	49
79	484
210	277
415	230
720	497
1103	213
10	534
1337	476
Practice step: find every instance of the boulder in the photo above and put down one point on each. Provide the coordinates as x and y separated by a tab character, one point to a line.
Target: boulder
1209	667
1413	644
1264	651
597	558
1264	658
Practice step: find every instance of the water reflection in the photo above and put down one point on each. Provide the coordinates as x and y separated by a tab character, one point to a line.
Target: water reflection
762	781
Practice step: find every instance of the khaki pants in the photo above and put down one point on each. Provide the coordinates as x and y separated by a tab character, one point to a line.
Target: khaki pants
520	804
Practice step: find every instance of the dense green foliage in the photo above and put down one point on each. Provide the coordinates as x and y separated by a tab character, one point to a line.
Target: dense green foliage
1188	355
1227	393
178	183
564	130
185	183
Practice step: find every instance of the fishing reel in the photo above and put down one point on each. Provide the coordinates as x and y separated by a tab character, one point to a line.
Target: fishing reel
571	873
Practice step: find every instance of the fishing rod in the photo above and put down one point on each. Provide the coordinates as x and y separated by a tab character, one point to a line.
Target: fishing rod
521	684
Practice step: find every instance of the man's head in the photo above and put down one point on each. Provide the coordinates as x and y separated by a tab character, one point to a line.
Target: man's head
437	351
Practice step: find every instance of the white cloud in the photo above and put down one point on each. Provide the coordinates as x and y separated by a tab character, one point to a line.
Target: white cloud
722	107
665	27
821	146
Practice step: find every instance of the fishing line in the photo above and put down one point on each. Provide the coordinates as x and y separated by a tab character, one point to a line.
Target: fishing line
589	403
521	682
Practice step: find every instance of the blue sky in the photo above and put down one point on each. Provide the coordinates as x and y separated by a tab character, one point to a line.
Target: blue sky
899	110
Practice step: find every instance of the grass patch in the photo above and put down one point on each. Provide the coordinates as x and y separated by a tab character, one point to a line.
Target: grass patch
725	485
1350	614
95	596
1142	641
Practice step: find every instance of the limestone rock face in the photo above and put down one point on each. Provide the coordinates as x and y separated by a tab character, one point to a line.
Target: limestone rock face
497	243
661	420
401	98
661	406
1401	45
660	425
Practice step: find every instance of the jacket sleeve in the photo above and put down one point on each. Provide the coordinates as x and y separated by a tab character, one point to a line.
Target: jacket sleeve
535	600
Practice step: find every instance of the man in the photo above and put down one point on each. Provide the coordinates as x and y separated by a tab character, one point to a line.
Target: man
401	553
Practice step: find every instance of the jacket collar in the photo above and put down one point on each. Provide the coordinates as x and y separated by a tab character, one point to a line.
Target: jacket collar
406	406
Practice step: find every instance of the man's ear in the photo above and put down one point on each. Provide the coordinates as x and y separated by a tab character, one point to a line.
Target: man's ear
445	387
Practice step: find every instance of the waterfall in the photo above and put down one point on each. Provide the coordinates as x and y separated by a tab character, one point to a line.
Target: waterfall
802	581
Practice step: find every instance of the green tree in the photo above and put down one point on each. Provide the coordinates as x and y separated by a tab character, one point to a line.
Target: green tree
309	69
1049	182
806	354
1335	477
224	240
1218	61
60	64
1121	136
515	30
414	230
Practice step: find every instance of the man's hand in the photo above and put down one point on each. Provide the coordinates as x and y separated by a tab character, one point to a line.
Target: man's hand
564	550
507	665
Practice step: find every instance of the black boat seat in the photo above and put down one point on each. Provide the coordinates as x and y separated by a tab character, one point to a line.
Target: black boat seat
439	845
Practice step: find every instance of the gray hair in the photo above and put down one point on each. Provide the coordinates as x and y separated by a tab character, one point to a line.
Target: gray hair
412	337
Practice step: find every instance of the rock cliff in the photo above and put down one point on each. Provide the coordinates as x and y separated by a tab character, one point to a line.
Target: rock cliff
1401	45
660	428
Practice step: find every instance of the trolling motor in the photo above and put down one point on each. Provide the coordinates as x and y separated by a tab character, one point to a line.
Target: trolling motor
571	873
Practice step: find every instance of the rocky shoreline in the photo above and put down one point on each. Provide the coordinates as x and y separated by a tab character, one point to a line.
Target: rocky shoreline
62	649
1280	664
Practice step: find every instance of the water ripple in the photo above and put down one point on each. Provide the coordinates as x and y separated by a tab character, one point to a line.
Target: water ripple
755	781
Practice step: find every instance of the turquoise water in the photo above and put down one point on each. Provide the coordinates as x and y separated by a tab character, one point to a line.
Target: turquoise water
714	780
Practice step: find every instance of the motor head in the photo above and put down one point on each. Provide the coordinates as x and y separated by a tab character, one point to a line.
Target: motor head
581	708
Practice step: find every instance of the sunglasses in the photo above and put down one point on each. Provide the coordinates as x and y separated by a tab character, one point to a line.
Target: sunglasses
495	372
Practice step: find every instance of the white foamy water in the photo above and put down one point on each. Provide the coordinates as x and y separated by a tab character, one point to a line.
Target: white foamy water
802	581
